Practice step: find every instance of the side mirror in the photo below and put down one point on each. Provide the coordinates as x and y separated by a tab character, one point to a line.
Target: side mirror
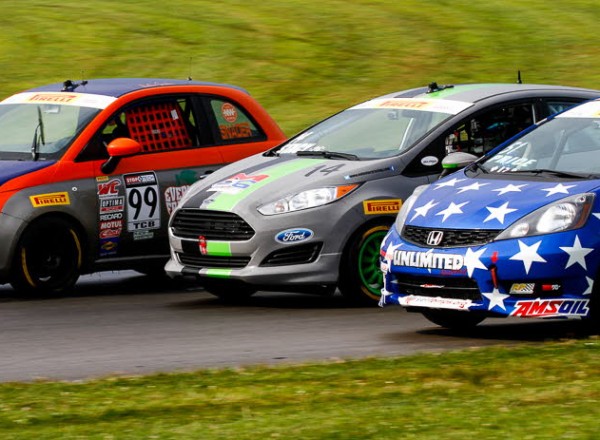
455	161
118	148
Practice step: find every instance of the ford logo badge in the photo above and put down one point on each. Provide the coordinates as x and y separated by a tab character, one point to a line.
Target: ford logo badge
293	235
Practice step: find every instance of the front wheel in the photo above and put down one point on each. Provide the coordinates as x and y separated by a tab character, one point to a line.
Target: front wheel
453	319
361	279
48	258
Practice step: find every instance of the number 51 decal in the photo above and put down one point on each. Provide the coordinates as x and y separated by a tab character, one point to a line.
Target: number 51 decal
143	203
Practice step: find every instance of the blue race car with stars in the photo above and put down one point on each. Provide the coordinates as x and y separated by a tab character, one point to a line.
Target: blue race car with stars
515	233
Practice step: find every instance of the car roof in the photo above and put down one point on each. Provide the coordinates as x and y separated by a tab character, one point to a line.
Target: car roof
116	87
478	92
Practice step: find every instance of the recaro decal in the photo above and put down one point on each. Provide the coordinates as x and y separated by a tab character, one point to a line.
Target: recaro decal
224	201
50	199
386	206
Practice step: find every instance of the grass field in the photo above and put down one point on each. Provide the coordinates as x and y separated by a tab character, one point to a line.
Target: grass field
303	60
547	392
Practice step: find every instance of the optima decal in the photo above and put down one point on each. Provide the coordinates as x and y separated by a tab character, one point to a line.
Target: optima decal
374	207
51	199
428	260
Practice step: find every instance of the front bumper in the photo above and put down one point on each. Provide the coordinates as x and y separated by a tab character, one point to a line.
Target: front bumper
541	276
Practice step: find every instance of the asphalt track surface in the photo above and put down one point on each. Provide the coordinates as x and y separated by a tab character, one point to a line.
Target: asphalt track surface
129	324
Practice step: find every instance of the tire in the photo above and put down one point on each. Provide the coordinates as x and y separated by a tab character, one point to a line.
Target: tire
453	319
47	259
230	292
361	279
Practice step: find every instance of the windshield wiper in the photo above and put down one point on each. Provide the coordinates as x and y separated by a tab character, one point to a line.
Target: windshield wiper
38	136
557	173
328	154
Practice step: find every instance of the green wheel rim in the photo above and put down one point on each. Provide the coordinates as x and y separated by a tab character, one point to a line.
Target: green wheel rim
368	263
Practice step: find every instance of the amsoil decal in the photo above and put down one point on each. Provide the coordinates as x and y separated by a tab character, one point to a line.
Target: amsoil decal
374	207
237	183
551	308
428	260
50	199
143	201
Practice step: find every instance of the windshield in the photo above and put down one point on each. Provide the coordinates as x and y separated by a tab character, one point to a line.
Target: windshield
376	129
33	128
566	145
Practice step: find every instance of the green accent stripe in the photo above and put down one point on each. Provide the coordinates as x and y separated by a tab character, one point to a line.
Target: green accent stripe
226	202
218	273
218	248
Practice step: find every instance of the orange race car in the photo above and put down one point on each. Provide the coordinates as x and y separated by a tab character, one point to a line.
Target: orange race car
90	171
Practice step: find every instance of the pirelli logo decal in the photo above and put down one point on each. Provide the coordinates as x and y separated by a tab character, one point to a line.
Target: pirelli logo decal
51	199
391	206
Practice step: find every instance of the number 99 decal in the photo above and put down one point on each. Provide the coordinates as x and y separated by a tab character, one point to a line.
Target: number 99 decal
143	203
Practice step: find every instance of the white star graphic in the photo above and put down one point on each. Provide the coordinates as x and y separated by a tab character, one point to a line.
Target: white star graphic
498	213
558	189
450	182
596	215
472	261
590	282
423	210
453	208
496	299
528	255
576	253
509	188
473	187
389	252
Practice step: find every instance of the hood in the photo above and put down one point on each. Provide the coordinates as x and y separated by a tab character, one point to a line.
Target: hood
9	169
261	179
459	202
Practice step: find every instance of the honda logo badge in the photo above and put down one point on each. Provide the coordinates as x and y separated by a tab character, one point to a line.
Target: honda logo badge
435	238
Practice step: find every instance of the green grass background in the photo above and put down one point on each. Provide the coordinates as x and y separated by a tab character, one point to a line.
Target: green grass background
304	60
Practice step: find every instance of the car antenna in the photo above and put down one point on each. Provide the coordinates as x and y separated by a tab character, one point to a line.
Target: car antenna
190	75
433	87
519	77
70	86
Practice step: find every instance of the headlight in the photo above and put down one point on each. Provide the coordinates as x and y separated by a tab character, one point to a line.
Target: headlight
306	199
407	206
562	215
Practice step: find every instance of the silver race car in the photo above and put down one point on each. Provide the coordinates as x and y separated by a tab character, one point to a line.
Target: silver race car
310	214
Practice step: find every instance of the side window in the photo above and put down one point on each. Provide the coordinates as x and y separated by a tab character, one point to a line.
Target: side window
487	130
158	125
233	123
557	105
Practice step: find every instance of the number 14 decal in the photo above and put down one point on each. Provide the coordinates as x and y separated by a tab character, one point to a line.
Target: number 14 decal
324	169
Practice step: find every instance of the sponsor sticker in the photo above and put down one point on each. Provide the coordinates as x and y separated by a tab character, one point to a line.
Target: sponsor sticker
108	246
143	235
430	105
437	302
77	99
522	288
112	204
50	199
428	260
237	131
173	195
238	183
294	235
374	207
429	161
143	202
109	188
551	308
229	112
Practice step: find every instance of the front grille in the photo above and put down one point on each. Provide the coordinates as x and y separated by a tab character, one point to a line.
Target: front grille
300	254
451	237
212	225
209	261
446	287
